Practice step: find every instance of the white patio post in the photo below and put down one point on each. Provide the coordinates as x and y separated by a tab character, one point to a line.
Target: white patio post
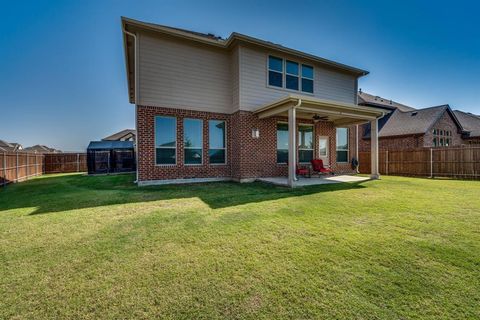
375	174
292	152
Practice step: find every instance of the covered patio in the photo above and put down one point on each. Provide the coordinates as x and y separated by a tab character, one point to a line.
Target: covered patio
304	182
340	114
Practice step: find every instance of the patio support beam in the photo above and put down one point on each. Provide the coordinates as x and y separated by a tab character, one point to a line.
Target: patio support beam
292	154
375	174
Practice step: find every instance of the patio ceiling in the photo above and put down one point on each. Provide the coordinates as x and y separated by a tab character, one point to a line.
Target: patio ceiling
341	114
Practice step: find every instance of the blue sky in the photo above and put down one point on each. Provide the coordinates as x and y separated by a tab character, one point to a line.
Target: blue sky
62	71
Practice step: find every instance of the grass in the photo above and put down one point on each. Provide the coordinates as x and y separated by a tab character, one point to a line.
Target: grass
73	246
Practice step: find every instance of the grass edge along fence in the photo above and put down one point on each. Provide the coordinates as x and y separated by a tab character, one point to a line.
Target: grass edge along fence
450	162
21	166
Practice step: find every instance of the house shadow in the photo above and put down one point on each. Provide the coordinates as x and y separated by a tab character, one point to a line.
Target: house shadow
50	194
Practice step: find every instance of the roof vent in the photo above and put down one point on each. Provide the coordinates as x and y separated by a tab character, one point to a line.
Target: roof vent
414	113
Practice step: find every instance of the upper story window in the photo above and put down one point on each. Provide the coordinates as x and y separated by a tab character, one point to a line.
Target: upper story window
290	75
275	72
307	78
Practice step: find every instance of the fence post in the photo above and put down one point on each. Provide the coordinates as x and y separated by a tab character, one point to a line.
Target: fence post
386	162
16	168
27	168
36	169
78	162
431	163
4	169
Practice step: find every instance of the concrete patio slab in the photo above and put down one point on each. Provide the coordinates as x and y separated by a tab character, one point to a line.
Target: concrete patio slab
302	182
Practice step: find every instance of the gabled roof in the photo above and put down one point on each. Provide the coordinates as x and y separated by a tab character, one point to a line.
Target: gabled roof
9	146
415	122
38	148
209	39
470	122
119	135
377	101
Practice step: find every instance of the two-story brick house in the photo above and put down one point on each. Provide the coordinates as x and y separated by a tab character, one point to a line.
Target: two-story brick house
211	109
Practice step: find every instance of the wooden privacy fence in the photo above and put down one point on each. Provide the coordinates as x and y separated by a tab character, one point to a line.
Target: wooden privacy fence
20	166
454	162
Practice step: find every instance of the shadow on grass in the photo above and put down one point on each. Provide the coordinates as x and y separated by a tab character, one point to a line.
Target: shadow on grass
69	192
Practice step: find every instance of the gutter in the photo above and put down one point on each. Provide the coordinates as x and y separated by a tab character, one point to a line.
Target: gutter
135	79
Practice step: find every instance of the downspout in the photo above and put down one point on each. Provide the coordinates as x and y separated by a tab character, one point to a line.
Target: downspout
292	157
135	79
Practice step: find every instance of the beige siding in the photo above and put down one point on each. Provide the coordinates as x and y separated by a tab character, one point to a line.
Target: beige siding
254	92
235	79
175	73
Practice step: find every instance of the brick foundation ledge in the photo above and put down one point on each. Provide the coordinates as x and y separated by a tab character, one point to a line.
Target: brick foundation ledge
180	181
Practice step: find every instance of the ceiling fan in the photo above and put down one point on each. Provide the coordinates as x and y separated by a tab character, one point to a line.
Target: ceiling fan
316	118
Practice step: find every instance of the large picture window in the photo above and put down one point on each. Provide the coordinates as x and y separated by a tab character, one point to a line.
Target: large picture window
165	140
192	141
217	141
282	142
342	145
305	143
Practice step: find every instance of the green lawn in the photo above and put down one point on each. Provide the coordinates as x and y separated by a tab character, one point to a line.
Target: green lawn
73	246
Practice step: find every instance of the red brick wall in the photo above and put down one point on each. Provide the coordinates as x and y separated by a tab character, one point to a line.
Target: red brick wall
148	170
247	157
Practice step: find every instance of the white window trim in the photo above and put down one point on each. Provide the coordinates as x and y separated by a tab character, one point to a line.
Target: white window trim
298	141
348	145
185	148
155	143
284	76
225	138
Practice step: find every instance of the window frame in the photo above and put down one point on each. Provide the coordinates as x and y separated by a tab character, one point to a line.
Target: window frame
336	145
193	148
298	141
284	75
225	139
155	142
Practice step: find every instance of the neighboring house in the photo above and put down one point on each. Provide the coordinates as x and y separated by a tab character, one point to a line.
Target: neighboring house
124	135
471	124
211	109
41	149
10	146
405	127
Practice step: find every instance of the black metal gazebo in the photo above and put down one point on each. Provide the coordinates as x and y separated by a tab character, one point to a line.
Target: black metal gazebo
110	157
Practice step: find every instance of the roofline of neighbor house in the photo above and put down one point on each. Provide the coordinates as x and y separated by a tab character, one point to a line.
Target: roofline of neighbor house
226	44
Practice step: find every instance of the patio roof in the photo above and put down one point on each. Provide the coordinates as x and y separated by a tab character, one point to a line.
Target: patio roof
340	113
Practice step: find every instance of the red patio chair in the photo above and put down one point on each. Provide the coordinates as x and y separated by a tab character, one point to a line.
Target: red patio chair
317	166
303	171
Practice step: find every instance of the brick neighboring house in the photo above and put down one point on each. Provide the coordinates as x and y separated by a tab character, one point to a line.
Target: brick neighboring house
210	109
471	124
405	127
